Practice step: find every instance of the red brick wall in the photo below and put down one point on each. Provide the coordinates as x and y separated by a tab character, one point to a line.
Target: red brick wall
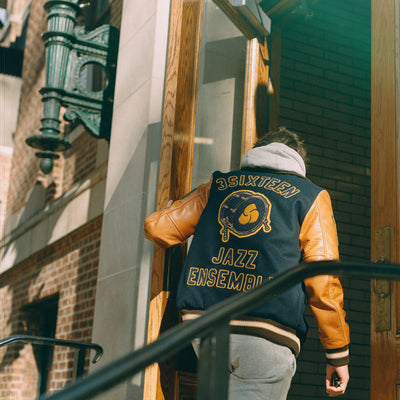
67	268
5	169
25	171
325	96
79	161
24	164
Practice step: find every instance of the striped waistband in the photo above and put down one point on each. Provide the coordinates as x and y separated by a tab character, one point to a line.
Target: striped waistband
267	329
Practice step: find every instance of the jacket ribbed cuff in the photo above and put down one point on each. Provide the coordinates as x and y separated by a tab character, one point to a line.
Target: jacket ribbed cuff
337	357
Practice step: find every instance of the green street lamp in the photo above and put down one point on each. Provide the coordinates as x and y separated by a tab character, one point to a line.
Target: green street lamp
71	52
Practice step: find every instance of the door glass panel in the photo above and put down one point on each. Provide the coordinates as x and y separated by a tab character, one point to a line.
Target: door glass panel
217	144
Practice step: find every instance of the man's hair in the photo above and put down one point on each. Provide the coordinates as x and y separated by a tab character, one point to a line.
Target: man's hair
283	135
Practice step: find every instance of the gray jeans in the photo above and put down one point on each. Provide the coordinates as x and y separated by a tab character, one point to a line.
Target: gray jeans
260	370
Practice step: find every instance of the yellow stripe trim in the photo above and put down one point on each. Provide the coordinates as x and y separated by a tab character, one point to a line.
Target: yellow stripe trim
269	327
189	316
255	324
333	356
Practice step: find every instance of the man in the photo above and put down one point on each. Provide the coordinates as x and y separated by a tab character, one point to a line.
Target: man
247	226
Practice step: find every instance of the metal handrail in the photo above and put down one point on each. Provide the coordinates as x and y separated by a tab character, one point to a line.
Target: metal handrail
54	342
212	323
81	346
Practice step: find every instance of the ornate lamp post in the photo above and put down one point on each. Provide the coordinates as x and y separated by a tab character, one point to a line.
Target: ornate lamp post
69	51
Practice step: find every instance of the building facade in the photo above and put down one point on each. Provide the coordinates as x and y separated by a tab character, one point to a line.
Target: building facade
74	263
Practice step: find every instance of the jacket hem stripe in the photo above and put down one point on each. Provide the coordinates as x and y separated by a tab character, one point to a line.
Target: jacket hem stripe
262	329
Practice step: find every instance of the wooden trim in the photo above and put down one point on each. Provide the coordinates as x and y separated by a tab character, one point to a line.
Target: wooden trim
152	383
261	104
176	157
185	384
384	124
249	120
158	298
170	99
186	102
384	179
275	79
256	93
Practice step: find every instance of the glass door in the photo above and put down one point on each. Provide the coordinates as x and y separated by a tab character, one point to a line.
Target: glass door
220	95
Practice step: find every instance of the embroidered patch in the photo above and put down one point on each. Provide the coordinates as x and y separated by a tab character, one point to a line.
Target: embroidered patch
243	213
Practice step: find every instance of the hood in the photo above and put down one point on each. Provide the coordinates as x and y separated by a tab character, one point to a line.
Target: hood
276	156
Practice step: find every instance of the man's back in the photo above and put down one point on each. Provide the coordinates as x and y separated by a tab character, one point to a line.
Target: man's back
247	226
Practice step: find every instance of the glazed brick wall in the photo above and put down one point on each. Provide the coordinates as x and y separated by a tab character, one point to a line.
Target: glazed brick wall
325	96
67	268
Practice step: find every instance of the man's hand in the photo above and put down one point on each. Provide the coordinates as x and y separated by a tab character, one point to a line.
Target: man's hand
343	378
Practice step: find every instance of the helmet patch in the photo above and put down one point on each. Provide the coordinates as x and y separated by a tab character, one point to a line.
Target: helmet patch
243	213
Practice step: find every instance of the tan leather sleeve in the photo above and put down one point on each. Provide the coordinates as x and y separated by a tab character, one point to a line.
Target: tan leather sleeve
173	225
318	242
318	237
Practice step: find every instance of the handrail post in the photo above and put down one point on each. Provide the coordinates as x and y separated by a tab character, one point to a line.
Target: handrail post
213	370
79	362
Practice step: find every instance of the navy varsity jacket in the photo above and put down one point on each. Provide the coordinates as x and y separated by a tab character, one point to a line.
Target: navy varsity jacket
247	226
247	233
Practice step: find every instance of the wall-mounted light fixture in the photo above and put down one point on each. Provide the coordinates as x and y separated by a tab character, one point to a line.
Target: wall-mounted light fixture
71	55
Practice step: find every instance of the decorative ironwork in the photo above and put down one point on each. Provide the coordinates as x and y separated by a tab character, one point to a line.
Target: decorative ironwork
71	52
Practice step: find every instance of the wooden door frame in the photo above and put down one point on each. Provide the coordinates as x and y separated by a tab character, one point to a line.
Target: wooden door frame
385	203
177	139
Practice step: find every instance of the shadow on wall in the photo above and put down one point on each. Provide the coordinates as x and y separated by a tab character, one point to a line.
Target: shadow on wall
39	276
36	202
125	259
28	288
